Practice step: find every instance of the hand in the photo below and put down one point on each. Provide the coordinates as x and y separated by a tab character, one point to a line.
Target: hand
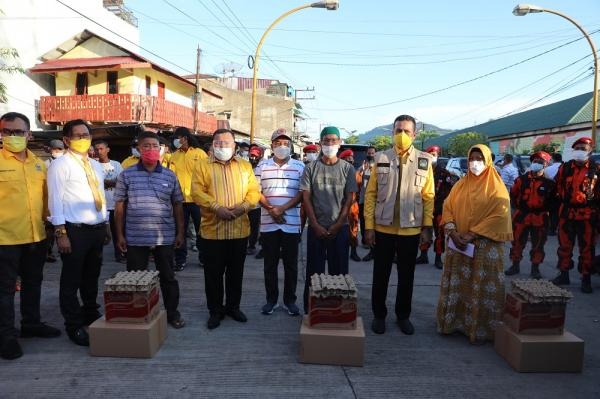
64	244
458	240
107	236
179	240
224	213
122	244
275	211
237	211
370	237
320	231
426	234
333	230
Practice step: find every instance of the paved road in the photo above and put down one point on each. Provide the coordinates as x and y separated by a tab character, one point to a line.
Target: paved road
260	358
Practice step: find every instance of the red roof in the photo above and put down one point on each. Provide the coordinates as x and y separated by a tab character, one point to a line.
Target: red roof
66	64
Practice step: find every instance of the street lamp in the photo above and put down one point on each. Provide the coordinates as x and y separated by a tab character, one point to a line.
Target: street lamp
524	9
328	4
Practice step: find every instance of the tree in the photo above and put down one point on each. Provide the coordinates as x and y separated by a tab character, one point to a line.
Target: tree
381	142
353	139
8	56
459	145
550	148
422	137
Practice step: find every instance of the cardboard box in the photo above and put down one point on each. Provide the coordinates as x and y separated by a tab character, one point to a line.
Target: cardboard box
128	340
334	312
533	318
337	347
131	307
540	353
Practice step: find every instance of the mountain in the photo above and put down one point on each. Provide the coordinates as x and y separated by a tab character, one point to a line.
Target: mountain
385	130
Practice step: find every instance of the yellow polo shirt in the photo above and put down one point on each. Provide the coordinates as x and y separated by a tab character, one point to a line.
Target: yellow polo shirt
23	199
183	164
228	184
129	161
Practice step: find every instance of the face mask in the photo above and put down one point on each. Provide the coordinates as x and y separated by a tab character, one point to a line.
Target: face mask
81	146
402	141
135	152
370	158
244	154
151	155
56	155
536	167
434	161
282	152
580	155
476	167
312	156
177	143
14	143
162	150
330	150
223	154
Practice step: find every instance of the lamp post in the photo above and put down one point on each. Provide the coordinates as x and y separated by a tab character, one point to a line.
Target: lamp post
524	9
328	4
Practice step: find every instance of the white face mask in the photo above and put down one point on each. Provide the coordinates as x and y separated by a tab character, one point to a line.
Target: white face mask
135	152
536	167
57	154
330	150
281	152
177	143
223	154
476	167
312	156
245	155
580	155
162	150
434	161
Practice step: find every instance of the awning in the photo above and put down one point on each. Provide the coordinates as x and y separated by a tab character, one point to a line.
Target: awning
69	64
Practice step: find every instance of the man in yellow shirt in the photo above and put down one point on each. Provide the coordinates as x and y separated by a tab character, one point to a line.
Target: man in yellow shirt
225	188
398	216
183	162
23	246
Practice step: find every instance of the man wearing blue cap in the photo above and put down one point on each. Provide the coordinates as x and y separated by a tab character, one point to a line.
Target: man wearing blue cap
328	185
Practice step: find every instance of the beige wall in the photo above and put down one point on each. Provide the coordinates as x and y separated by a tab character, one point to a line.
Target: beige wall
272	112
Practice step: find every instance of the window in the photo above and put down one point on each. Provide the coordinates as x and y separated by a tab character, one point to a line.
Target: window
81	84
148	86
161	90
112	78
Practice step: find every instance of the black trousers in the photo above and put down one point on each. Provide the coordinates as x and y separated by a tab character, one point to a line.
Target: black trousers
27	261
254	216
190	210
224	258
276	244
113	232
80	272
137	259
387	246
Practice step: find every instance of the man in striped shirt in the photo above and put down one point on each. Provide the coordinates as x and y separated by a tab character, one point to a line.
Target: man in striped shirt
225	187
148	202
279	179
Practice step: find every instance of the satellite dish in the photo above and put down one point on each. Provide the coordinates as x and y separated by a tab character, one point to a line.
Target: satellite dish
228	69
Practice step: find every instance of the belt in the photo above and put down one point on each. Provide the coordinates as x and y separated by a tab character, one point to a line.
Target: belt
87	226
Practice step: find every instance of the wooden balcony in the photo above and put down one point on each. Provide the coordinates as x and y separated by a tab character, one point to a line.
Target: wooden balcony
122	108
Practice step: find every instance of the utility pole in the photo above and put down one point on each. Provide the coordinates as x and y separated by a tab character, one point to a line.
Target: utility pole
197	103
295	133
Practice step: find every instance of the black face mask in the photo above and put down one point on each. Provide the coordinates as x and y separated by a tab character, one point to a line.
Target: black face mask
370	158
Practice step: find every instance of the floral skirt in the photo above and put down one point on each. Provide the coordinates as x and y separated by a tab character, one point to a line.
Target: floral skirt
472	291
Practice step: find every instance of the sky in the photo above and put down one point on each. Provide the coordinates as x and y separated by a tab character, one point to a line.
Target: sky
452	64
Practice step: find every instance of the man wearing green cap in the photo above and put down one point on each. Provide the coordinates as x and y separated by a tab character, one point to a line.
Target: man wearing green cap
327	186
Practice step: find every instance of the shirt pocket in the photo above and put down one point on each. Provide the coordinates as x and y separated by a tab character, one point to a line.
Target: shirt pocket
163	191
420	178
383	175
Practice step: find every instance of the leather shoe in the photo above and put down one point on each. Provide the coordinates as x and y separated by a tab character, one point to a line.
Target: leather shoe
237	315
90	319
378	326
586	285
406	327
177	323
39	330
79	336
368	257
10	349
214	321
355	257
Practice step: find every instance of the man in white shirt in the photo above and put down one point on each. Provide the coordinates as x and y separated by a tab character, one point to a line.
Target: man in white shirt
508	172
78	212
112	169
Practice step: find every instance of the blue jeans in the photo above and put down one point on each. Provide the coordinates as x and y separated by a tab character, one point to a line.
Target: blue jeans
189	210
333	250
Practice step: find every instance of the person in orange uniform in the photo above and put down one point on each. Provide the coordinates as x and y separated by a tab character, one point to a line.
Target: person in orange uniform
348	156
444	180
183	161
23	246
531	196
577	188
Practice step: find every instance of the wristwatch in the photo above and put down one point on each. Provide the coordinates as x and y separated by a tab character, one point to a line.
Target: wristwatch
60	232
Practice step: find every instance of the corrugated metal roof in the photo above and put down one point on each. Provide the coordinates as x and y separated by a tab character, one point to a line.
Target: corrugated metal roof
65	64
573	110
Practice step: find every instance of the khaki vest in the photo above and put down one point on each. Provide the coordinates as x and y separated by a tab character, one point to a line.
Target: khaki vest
413	179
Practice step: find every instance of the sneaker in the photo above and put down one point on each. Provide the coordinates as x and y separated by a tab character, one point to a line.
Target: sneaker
177	323
179	267
10	349
268	308
292	309
369	257
562	279
39	330
586	285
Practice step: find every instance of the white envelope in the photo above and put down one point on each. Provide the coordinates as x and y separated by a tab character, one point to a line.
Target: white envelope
468	251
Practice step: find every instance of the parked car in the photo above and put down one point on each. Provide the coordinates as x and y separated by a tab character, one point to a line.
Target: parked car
458	166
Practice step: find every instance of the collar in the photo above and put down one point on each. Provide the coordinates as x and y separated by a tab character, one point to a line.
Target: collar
235	157
140	167
7	154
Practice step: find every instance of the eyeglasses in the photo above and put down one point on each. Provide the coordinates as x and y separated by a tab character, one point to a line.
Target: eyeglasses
14	132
